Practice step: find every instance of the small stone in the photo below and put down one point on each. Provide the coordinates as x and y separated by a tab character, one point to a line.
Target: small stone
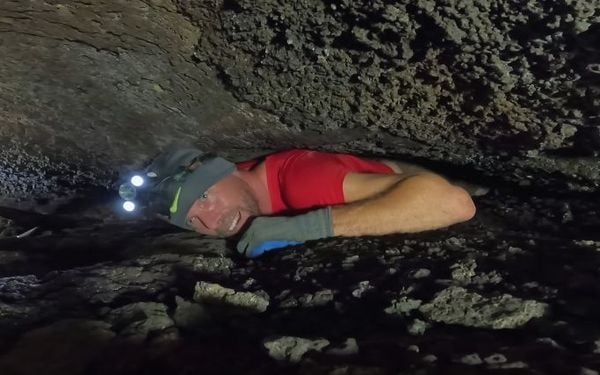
421	273
249	282
217	294
487	278
320	298
402	306
495	359
392	252
362	288
349	262
283	294
429	358
549	341
413	348
156	87
463	272
455	242
293	348
434	250
472	359
417	327
349	347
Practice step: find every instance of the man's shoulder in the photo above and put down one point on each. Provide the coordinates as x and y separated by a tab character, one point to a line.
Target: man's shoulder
288	158
320	161
289	153
307	179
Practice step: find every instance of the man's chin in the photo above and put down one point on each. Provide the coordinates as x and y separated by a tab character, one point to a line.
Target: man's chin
239	228
228	234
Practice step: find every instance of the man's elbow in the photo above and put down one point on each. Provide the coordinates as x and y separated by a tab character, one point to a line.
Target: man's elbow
456	199
452	202
464	207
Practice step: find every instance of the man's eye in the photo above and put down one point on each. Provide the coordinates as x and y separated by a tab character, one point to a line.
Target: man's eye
204	196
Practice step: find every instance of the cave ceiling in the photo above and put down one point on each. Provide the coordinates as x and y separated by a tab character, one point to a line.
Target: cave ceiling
92	89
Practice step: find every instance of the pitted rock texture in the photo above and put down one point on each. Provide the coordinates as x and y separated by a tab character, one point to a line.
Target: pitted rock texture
517	84
455	305
293	348
215	293
497	295
91	90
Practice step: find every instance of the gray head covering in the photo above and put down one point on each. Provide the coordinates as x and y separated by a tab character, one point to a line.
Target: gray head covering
177	186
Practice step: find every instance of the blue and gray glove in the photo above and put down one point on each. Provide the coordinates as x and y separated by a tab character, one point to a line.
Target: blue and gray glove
267	233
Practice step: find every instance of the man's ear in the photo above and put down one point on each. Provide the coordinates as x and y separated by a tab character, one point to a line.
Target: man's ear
193	166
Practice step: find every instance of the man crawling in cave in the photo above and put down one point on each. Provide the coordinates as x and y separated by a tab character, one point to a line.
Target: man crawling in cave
295	196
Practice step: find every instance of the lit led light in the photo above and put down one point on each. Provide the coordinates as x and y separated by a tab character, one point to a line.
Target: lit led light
137	181
129	206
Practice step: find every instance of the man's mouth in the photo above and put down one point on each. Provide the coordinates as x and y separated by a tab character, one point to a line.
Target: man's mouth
235	221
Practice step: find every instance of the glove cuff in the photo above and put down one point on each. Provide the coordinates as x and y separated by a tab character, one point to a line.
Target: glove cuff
317	224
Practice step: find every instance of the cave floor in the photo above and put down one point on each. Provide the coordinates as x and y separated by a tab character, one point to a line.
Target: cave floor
515	290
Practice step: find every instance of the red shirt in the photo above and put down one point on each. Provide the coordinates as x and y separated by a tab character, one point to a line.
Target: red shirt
300	180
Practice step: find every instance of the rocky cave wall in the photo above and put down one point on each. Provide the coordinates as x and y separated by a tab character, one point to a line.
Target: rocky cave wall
501	93
90	89
500	85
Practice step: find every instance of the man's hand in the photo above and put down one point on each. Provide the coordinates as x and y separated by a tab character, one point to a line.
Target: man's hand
290	230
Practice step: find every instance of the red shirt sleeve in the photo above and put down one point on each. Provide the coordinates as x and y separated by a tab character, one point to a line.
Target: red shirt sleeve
313	179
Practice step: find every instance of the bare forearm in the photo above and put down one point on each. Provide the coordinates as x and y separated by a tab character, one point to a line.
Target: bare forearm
418	203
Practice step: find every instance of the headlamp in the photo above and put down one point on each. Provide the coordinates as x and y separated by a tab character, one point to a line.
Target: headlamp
129	206
127	191
137	180
172	182
133	189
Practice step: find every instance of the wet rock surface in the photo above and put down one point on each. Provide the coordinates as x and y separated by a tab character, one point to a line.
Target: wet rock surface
475	298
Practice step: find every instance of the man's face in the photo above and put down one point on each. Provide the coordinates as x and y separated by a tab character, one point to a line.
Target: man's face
224	209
